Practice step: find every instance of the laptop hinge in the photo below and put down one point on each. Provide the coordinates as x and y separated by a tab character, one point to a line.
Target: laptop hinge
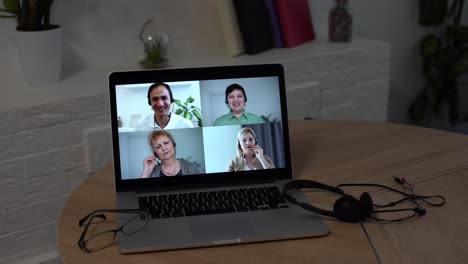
178	187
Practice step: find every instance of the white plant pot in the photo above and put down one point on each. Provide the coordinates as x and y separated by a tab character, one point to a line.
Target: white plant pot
40	55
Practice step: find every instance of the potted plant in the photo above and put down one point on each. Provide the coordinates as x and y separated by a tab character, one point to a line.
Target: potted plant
187	110
39	42
9	9
267	119
154	48
445	59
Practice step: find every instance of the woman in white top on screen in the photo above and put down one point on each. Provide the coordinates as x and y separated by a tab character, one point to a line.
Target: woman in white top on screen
160	99
249	155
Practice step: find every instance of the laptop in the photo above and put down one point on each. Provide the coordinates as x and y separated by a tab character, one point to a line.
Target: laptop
225	191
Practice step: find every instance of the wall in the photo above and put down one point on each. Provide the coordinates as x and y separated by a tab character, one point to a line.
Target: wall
41	162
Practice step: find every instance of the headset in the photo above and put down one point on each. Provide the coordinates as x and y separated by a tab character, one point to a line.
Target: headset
350	209
158	161
155	85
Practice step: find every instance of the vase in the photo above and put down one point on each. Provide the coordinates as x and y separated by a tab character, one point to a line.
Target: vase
40	55
340	22
154	47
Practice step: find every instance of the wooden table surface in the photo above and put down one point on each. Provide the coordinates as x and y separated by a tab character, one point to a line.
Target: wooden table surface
333	152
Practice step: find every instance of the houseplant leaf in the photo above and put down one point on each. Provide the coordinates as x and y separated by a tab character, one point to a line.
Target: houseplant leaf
432	71
197	114
178	103
446	57
187	111
431	92
459	34
432	12
188	115
460	66
417	109
429	46
179	111
10	9
452	102
10	5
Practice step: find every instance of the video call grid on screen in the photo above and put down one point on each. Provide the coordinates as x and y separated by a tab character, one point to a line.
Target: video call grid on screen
209	147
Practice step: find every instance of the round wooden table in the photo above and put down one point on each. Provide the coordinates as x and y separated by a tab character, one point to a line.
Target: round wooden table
332	152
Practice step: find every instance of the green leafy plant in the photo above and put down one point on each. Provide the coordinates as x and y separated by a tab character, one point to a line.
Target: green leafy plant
267	119
188	111
445	59
9	9
155	49
32	15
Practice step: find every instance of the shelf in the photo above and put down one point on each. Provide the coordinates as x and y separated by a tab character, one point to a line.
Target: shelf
314	69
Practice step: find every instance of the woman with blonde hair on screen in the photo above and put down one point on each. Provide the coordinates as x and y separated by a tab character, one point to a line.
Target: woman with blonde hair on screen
249	155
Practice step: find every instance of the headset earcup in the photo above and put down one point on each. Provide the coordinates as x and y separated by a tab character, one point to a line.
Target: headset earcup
347	209
367	206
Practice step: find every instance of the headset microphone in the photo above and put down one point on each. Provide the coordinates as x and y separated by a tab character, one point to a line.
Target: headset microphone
420	211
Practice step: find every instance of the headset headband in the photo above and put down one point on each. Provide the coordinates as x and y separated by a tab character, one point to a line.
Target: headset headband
299	184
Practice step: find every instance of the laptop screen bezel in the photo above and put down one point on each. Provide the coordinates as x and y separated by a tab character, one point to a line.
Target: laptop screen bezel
190	74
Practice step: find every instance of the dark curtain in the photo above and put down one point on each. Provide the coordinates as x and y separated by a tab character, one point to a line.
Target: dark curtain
270	139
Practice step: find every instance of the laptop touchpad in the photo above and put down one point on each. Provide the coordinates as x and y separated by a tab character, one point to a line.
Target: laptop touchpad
235	227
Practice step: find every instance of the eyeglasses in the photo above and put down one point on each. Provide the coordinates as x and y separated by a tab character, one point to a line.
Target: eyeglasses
102	235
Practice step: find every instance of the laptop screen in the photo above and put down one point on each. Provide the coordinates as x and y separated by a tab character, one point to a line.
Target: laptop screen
199	124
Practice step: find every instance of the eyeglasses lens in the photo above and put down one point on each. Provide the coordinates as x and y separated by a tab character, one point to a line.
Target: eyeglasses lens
135	224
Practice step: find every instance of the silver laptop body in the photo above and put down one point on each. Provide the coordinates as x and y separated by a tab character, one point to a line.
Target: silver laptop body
210	148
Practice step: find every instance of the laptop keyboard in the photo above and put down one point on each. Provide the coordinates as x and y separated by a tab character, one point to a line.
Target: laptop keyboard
212	202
